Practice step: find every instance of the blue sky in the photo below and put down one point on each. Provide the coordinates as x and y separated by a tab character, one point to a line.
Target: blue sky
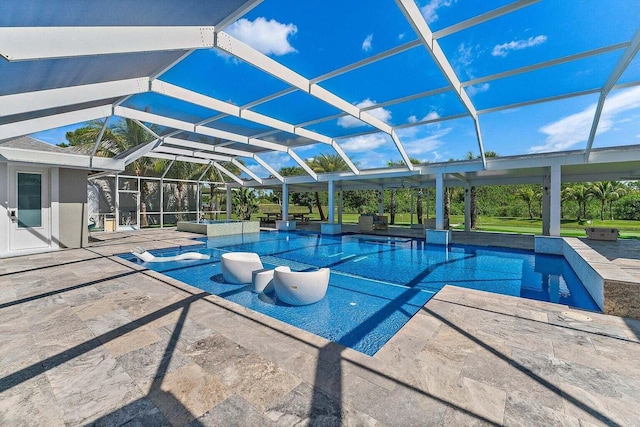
312	38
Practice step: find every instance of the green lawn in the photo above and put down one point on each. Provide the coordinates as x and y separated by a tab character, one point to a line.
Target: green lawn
569	228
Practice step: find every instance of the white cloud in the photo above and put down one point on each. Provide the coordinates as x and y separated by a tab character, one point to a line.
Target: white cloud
269	37
427	144
504	48
430	10
433	115
473	90
352	122
363	143
276	160
568	131
366	44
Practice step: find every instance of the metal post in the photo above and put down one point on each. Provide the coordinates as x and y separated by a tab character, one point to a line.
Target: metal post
340	207
229	202
331	216
285	201
556	190
467	207
439	201
117	211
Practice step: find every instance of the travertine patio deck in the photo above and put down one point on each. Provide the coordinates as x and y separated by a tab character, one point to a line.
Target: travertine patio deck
86	338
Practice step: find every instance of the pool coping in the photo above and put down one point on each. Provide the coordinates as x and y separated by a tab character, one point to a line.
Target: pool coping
614	290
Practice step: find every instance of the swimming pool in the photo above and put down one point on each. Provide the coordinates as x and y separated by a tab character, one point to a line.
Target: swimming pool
376	285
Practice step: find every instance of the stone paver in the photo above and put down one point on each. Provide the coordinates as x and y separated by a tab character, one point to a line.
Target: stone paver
86	338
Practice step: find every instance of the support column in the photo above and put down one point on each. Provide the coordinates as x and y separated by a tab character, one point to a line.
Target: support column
381	201
439	236
285	201
556	196
331	207
340	207
117	210
439	201
467	207
331	227
229	202
284	224
546	205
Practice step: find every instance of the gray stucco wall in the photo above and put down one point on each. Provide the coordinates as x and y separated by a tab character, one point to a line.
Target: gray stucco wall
73	208
4	219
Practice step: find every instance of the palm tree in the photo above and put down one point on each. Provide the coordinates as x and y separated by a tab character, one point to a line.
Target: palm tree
473	193
393	205
179	171
529	196
118	138
581	194
607	191
325	163
245	203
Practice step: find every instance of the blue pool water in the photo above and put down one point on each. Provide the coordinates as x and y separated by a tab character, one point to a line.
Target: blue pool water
376	284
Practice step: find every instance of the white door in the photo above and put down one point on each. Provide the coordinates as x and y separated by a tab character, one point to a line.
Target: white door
29	208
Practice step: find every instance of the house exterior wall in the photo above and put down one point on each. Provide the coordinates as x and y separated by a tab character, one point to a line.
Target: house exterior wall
72	208
4	215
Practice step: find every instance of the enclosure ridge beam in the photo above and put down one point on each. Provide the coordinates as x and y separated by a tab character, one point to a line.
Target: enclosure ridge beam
52	98
30	43
38	124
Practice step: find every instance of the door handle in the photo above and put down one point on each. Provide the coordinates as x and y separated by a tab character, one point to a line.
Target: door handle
13	214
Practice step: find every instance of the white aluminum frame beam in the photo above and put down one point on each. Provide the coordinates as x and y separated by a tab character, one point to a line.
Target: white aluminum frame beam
246	170
619	69
187	95
60	97
27	127
229	174
186	153
142	151
420	26
236	48
174	158
190	127
28	43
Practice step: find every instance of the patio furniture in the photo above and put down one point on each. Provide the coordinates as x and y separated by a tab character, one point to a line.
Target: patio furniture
300	287
597	233
262	280
237	267
370	222
143	255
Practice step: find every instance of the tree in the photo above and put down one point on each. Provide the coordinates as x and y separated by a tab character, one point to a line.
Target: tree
393	203
179	171
116	139
529	196
245	203
607	192
473	193
581	194
325	163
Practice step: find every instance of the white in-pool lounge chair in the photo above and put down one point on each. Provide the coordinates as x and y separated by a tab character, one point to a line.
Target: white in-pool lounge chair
237	267
145	256
300	287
